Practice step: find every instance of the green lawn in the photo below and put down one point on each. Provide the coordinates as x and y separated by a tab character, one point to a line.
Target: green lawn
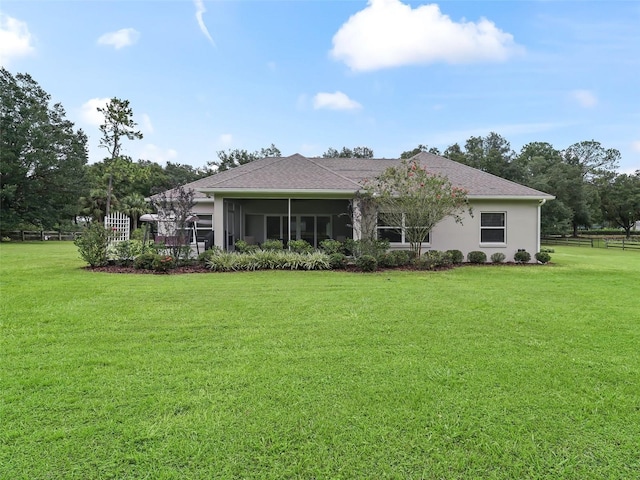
477	372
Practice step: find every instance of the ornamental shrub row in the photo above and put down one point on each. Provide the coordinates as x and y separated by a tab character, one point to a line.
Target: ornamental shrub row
219	261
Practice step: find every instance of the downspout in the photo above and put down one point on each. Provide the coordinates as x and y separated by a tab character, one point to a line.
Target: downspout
540	203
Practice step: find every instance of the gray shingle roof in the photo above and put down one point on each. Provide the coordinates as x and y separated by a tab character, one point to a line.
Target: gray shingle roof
299	173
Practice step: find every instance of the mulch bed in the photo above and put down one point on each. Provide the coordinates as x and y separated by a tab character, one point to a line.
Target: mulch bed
350	268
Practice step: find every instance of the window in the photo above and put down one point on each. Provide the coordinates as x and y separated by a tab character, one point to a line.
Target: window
493	227
394	233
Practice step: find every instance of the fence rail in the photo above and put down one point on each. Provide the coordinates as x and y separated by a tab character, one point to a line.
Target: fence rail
600	242
35	235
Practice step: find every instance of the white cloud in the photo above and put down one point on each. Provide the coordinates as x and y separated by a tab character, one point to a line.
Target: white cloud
585	98
334	101
225	139
635	146
200	10
156	154
89	111
15	39
389	33
147	126
122	38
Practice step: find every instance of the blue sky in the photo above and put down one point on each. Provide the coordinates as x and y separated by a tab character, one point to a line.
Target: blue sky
209	75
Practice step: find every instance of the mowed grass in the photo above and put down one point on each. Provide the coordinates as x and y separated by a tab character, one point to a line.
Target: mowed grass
477	372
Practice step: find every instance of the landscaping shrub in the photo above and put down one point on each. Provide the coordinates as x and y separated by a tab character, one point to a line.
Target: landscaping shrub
144	261
476	256
338	260
367	263
387	260
547	250
242	246
522	256
207	254
315	261
124	252
543	257
349	247
498	257
402	257
223	261
330	246
272	245
163	263
92	244
432	260
300	246
456	256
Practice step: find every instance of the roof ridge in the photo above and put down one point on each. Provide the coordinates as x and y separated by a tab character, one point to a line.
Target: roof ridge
332	171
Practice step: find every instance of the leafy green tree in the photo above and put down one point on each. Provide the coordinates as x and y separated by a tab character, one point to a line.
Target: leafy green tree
419	149
356	152
41	157
235	158
592	158
621	201
94	204
543	167
410	197
491	154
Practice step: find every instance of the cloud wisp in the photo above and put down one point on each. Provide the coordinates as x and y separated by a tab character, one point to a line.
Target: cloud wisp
389	33
119	39
89	111
334	101
15	39
585	98
200	10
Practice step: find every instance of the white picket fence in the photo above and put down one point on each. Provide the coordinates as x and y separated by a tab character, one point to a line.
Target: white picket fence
119	224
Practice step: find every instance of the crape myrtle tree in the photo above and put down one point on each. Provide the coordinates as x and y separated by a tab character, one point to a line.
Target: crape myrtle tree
414	200
175	209
42	157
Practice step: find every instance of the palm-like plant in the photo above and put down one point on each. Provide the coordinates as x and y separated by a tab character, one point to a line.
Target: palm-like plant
134	205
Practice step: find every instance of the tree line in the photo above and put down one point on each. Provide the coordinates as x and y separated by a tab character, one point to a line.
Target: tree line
46	181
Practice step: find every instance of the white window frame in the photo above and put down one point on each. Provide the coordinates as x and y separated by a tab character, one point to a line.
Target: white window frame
402	229
489	227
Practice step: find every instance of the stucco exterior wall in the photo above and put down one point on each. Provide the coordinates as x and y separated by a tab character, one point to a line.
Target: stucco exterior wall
522	229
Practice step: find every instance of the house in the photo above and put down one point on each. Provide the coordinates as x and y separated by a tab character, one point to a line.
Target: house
297	197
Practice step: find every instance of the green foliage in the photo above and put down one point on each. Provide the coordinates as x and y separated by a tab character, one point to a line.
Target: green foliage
621	201
357	152
522	256
386	260
543	257
267	260
433	260
498	257
367	263
272	245
338	260
42	157
331	246
145	261
402	257
207	254
163	263
300	246
243	247
547	250
93	243
124	252
235	158
408	195
175	208
476	256
456	256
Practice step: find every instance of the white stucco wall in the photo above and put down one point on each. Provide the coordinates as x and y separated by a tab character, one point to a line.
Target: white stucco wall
522	230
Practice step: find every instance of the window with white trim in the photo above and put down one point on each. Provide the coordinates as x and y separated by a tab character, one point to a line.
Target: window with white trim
493	227
394	233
